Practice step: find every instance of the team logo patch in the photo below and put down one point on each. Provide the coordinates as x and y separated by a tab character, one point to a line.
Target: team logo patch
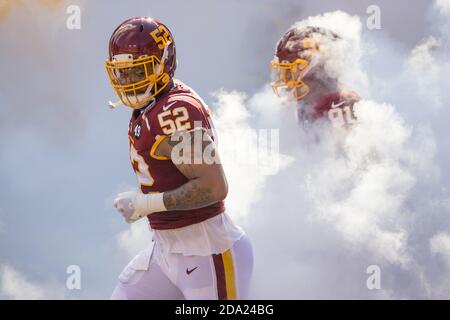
137	131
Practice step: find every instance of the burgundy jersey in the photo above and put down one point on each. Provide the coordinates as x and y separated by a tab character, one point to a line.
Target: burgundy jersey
178	109
337	107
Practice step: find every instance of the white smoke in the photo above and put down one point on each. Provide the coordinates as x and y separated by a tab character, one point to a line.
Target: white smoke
443	6
39	70
338	55
14	285
328	212
249	156
440	245
427	72
135	238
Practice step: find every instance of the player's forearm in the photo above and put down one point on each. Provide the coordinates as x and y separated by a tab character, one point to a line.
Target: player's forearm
196	193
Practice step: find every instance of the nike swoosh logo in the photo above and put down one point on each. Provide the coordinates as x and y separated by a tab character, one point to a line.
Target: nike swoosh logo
336	105
167	106
190	271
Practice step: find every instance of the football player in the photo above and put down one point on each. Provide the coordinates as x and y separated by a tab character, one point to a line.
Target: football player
299	70
197	251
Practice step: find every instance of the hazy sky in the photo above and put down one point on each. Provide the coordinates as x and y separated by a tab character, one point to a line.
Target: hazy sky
64	152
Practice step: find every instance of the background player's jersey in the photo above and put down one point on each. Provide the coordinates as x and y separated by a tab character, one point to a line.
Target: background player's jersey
177	109
337	107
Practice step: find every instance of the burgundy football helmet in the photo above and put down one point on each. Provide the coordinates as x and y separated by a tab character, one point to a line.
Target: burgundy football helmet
142	60
296	55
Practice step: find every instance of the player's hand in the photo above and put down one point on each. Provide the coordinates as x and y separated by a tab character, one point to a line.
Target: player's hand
124	204
134	205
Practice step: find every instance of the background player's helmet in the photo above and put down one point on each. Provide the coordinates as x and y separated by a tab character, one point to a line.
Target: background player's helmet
296	55
142	60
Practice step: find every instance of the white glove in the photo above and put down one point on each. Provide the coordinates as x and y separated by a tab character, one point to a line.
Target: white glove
134	205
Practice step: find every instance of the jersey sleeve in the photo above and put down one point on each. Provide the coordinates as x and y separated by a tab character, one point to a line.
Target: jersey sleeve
176	116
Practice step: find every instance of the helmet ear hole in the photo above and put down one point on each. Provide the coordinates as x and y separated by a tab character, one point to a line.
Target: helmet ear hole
141	28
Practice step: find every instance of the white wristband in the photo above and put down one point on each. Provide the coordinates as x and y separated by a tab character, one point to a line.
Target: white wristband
145	204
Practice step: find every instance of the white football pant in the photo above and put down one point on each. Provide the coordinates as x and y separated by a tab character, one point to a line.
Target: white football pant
153	275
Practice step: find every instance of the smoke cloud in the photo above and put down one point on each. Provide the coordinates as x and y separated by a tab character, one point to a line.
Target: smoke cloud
14	285
373	196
